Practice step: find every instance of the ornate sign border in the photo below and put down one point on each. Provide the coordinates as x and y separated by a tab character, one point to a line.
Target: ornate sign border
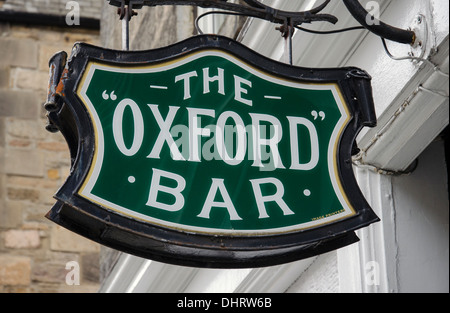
87	218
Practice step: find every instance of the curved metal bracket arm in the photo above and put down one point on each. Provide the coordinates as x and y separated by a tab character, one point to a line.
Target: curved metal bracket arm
378	27
253	9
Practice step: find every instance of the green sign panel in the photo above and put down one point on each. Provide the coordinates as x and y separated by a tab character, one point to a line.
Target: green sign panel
208	149
207	143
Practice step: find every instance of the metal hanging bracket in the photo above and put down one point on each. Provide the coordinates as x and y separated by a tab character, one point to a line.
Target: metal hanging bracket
252	9
126	12
256	9
287	31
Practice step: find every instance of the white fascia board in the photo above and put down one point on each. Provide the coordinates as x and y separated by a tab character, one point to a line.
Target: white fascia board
414	118
122	274
132	274
370	265
275	279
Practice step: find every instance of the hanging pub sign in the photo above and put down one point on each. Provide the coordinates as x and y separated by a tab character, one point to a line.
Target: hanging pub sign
205	153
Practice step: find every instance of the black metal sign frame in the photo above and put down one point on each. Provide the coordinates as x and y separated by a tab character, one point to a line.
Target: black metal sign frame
68	115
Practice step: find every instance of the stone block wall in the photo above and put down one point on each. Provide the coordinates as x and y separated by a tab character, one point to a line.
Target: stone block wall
34	163
35	254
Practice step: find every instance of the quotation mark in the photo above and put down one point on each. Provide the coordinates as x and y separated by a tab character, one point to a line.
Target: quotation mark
111	96
321	114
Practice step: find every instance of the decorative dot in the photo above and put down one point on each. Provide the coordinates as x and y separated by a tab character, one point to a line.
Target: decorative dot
131	179
307	192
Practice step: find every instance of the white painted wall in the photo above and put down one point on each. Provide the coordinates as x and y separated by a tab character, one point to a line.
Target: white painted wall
421	205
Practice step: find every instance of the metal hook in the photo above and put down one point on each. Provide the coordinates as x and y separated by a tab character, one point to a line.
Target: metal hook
287	32
126	12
